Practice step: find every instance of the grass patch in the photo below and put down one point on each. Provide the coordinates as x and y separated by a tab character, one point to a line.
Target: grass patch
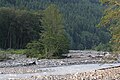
4	56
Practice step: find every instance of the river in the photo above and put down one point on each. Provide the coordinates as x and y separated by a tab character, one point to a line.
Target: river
60	70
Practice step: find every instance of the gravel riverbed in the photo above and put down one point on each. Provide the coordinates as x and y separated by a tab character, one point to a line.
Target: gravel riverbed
36	73
80	68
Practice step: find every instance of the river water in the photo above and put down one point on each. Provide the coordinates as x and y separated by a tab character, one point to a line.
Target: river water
60	70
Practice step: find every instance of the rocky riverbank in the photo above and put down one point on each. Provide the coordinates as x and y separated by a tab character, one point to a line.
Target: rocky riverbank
112	73
102	74
83	57
85	67
44	63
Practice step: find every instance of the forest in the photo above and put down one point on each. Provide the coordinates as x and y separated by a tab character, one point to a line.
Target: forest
52	27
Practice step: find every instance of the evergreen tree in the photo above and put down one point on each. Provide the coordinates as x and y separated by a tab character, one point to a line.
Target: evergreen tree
80	16
18	27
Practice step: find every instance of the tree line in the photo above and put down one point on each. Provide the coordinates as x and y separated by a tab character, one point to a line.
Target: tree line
41	33
80	19
111	20
18	27
51	27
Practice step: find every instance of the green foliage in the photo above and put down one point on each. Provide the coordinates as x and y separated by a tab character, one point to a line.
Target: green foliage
16	51
103	47
18	27
22	24
53	37
13	51
79	16
53	41
111	20
35	49
4	53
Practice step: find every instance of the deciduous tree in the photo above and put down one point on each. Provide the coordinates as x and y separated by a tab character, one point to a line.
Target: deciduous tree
111	19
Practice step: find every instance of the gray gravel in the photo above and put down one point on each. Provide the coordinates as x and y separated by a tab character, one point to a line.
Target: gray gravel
21	67
49	62
51	71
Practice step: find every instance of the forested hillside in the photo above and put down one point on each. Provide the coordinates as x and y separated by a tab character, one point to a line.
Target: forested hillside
49	39
18	27
80	19
111	20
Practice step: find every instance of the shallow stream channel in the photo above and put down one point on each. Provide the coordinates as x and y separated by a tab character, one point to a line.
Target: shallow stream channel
63	70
